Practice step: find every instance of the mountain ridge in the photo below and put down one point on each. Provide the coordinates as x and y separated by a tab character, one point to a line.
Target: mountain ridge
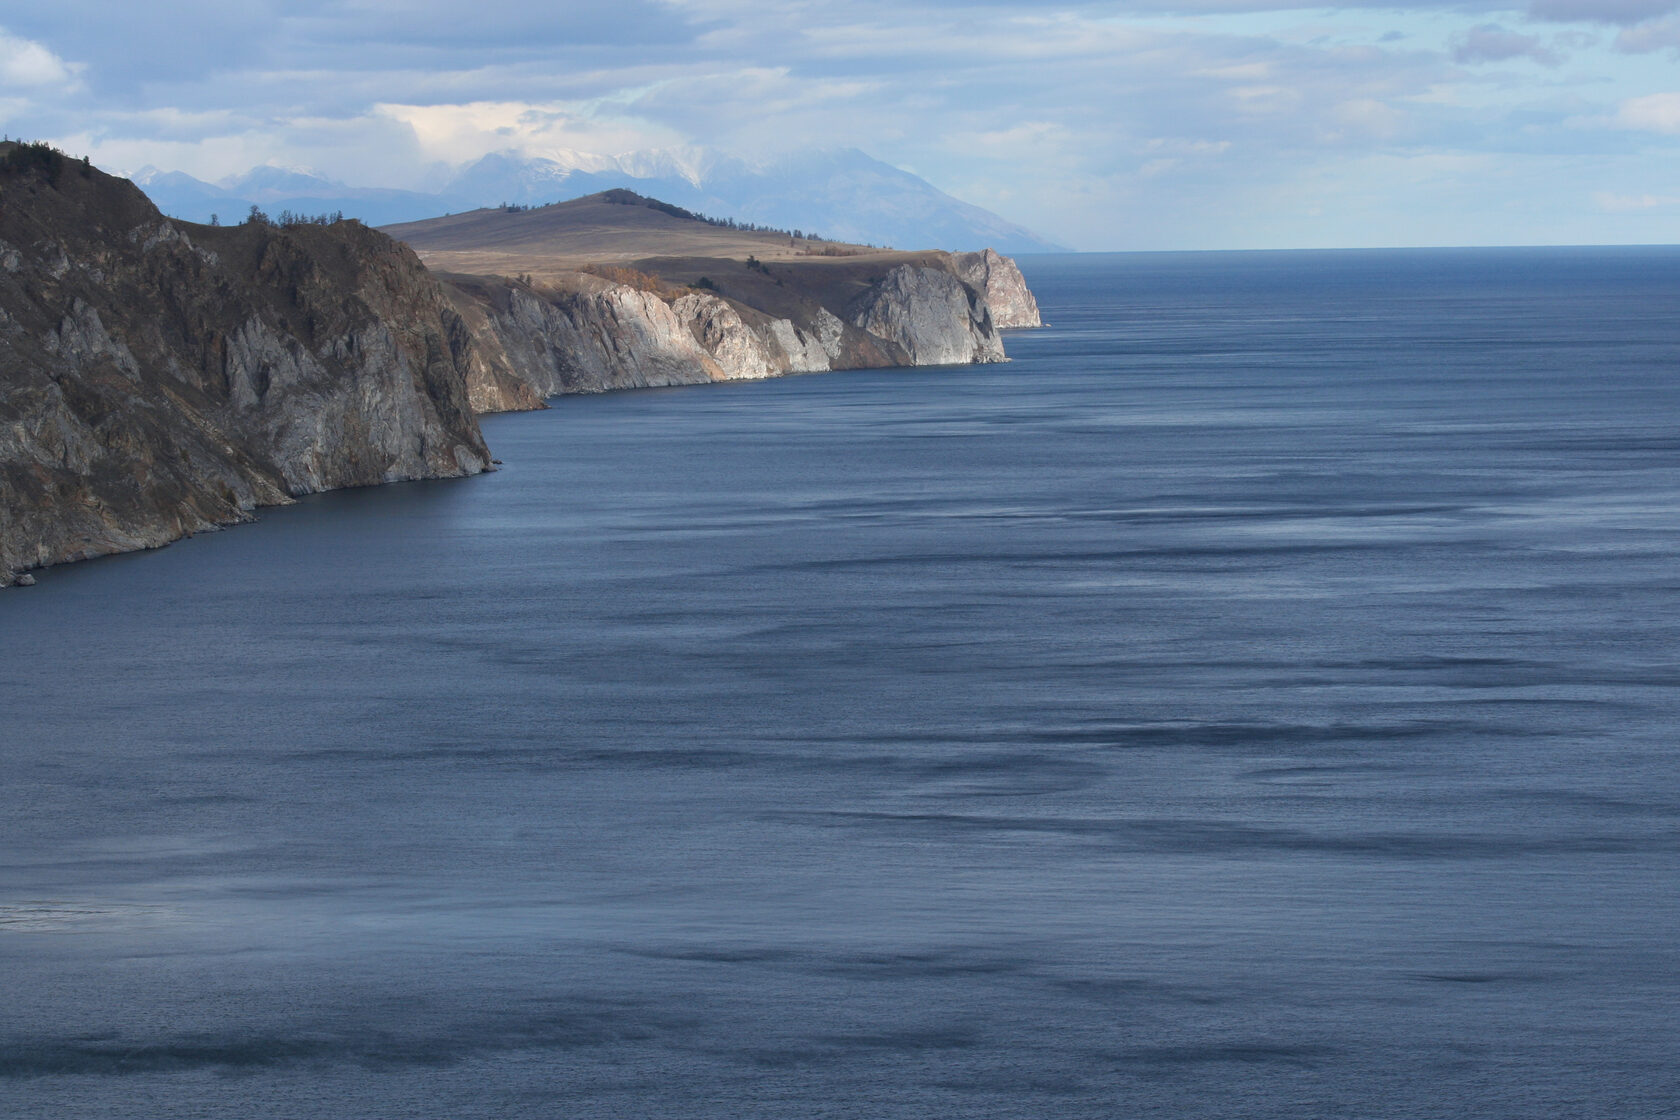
843	193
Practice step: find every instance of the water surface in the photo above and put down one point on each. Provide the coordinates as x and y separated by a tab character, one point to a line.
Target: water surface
1256	700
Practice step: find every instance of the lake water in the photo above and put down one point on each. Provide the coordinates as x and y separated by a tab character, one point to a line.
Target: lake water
1257	700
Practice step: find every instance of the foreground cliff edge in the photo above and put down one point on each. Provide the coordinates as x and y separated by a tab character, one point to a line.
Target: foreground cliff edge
160	378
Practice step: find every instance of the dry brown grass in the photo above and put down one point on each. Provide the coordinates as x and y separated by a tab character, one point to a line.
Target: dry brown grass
636	278
569	235
835	251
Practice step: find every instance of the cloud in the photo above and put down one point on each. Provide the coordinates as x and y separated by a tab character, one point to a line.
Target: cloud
1612	203
1490	42
127	45
1590	11
503	28
459	133
1602	11
1011	102
1656	112
136	48
25	64
1070	115
1649	37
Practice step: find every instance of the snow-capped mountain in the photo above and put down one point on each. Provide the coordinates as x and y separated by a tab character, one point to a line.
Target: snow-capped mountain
843	194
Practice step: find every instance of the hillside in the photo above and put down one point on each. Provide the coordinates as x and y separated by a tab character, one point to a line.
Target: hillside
610	227
158	379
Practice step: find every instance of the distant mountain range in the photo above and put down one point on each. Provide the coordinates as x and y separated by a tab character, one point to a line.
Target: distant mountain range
842	194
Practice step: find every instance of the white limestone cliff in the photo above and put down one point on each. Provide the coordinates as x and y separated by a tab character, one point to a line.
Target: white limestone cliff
935	317
999	279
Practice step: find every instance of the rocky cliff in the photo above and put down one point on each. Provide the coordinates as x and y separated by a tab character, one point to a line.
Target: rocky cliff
535	343
578	333
158	379
998	279
615	289
590	335
933	316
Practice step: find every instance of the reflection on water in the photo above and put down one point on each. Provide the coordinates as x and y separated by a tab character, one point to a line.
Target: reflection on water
1256	700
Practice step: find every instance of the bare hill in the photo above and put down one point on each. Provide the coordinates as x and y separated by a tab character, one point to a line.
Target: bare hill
613	227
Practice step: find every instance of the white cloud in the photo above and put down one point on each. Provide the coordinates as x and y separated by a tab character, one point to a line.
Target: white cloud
1364	118
25	64
1613	203
458	133
1656	112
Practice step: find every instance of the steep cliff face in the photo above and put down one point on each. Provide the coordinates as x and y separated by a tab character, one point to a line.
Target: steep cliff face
935	317
748	344
855	311
586	339
998	279
590	335
158	379
577	333
739	352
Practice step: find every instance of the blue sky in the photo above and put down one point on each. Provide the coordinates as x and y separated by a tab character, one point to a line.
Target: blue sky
1130	124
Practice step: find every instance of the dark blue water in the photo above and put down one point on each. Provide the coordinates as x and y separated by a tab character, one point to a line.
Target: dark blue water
1258	700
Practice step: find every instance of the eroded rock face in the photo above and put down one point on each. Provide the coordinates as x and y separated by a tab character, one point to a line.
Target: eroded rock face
817	348
531	343
770	349
739	351
585	334
999	280
933	316
158	379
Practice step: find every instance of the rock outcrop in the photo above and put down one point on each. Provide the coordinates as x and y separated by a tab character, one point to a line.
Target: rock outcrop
596	337
159	379
583	334
589	335
933	316
759	303
999	280
747	344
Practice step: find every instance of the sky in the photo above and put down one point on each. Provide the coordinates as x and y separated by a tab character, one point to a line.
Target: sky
1127	124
